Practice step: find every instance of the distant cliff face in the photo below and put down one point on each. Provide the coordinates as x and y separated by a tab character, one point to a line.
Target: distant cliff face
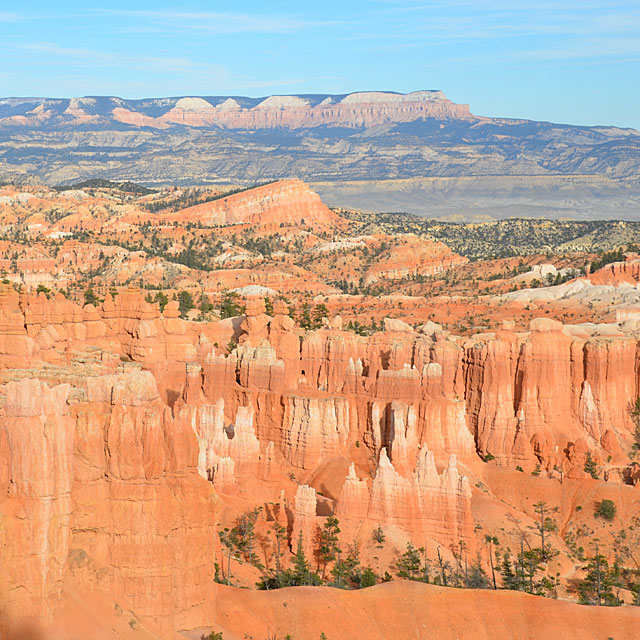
380	151
292	112
364	109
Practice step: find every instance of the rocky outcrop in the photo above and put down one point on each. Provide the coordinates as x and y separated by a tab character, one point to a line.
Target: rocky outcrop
424	504
616	273
413	257
283	202
304	520
92	486
120	426
362	109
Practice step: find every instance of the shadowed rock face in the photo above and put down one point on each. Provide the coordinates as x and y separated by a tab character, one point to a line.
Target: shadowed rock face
379	151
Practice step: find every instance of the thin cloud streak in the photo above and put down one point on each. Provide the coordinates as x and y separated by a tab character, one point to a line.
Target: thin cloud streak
216	22
8	16
188	72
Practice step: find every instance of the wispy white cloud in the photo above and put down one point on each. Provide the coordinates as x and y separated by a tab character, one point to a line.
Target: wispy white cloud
90	57
8	16
193	76
211	22
495	27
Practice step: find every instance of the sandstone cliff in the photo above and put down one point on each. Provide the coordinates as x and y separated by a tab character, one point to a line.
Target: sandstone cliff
124	430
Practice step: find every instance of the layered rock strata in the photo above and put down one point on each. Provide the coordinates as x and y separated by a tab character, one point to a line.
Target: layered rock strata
120	426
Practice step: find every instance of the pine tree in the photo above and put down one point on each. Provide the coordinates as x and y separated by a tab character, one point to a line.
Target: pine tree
368	578
590	466
226	541
280	533
444	570
509	578
544	524
599	581
328	543
319	311
408	564
342	569
477	578
243	536
378	535
301	571
185	302
305	316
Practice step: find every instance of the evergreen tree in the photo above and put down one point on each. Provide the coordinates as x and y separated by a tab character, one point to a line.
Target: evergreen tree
590	466
185	302
368	578
319	311
227	543
280	534
90	297
230	305
378	535
161	299
444	570
544	524
243	536
597	588
205	305
408	564
509	578
328	543
346	568
477	578
305	316
301	571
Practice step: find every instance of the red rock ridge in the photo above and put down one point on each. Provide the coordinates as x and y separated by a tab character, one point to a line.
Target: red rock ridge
284	201
364	109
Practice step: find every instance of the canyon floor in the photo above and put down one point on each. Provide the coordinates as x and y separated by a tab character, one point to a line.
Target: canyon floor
204	390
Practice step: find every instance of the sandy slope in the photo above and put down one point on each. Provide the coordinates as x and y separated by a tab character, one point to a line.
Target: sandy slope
411	610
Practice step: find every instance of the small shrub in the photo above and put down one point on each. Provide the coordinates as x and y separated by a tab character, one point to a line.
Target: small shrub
590	466
606	509
519	468
368	578
378	535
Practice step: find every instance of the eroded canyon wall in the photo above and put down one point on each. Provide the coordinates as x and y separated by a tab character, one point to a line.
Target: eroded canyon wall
120	426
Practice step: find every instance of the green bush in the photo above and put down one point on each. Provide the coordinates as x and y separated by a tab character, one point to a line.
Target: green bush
606	509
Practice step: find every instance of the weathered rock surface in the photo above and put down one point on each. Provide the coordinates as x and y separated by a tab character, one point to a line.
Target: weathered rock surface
285	201
122	431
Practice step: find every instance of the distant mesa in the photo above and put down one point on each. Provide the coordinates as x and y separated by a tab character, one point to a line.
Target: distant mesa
360	109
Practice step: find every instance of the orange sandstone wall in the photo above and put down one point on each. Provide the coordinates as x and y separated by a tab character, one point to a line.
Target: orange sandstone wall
120	426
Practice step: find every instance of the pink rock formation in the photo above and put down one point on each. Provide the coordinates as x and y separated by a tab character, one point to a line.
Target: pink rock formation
423	505
93	480
355	110
414	256
304	520
286	201
618	272
119	425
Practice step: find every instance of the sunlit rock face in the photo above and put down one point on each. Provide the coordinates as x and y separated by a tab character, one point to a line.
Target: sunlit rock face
125	433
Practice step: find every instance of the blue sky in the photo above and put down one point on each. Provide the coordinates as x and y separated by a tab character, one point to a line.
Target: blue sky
564	61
